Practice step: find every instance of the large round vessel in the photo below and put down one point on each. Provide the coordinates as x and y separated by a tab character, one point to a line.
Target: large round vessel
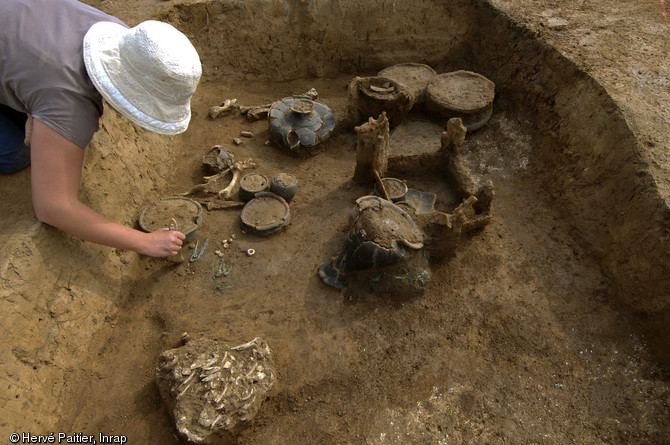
298	123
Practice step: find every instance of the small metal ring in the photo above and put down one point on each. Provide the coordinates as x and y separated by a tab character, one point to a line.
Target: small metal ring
251	252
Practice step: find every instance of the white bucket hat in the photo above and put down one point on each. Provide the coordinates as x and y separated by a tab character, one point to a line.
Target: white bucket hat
148	73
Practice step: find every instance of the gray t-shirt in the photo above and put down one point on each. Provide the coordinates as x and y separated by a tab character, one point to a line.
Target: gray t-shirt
42	68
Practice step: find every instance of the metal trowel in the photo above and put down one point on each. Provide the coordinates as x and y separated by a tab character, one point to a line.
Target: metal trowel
178	258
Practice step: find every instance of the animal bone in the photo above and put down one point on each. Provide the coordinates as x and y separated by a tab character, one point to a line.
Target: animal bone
311	94
257	112
225	162
228	104
226	193
210	186
205	409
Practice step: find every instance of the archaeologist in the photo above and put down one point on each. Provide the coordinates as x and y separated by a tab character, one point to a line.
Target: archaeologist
58	59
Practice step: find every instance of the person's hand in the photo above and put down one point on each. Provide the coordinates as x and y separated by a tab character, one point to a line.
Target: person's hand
29	130
164	242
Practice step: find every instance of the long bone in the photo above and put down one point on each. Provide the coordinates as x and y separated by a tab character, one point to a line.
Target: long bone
210	185
254	112
228	104
237	173
224	162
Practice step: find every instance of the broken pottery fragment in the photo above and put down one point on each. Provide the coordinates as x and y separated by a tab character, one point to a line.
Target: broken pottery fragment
372	96
406	279
299	124
213	390
217	159
420	202
381	234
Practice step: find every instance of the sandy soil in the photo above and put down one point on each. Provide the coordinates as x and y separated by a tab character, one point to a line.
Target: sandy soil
547	326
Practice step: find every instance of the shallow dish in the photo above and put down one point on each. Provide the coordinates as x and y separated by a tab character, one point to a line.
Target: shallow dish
266	213
158	214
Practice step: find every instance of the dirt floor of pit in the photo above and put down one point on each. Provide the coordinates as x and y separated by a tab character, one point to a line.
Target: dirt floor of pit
515	340
518	338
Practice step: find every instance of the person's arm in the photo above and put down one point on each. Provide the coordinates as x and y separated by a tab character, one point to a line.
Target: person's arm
56	166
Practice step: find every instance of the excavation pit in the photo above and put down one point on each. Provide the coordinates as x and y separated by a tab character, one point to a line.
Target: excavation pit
545	326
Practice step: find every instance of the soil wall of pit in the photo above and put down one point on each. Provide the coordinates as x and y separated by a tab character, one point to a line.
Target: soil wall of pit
56	291
592	164
298	39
